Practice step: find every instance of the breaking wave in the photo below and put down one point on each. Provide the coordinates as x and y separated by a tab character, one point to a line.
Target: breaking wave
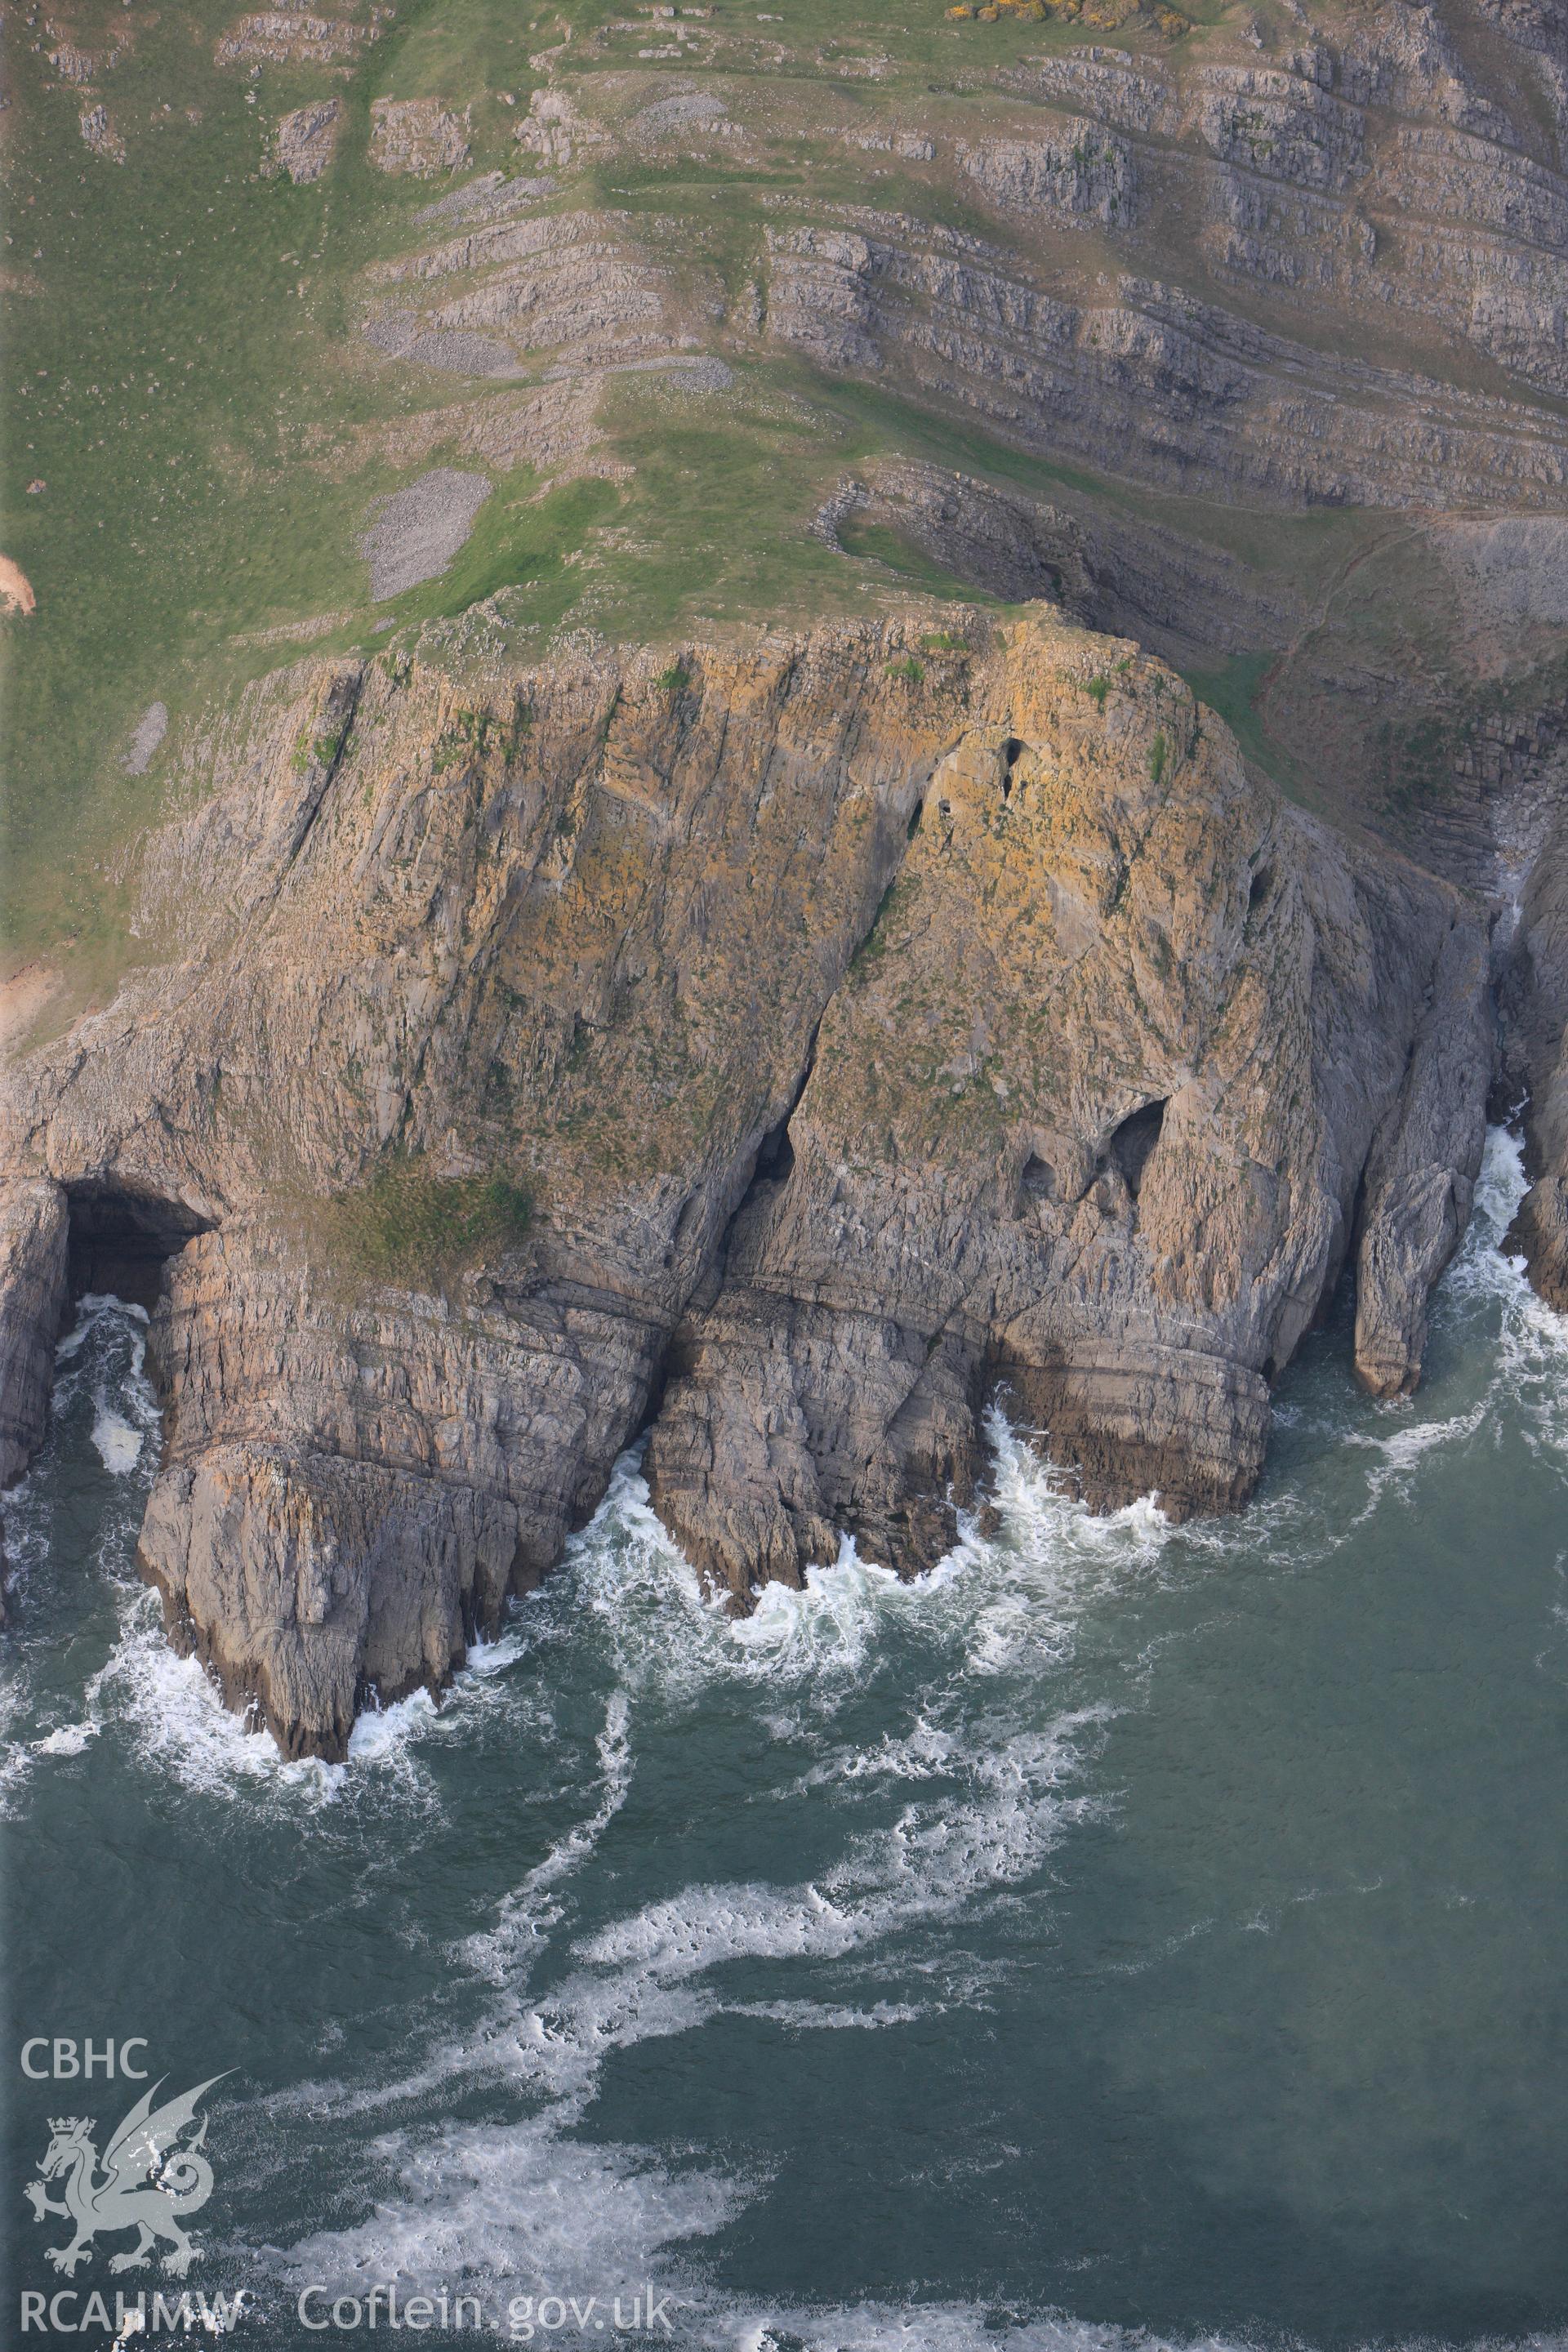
930	1746
923	1828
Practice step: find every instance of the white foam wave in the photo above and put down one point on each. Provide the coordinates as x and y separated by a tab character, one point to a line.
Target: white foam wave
521	2208
925	1749
657	1972
527	2205
71	1739
822	2016
121	1424
1052	1558
94	1309
537	1904
1501	1187
390	1736
178	1716
1530	1356
118	1442
825	1628
1013	1599
16	1772
383	1734
648	1974
1401	1451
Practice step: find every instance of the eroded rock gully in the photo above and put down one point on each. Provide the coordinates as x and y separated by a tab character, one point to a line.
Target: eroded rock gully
872	1020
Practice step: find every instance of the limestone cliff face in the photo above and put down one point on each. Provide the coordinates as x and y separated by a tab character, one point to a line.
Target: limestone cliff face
1535	996
1088	1121
33	1282
582	933
869	1020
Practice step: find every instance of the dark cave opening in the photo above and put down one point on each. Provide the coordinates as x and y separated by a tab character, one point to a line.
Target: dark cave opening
123	1237
775	1155
1134	1140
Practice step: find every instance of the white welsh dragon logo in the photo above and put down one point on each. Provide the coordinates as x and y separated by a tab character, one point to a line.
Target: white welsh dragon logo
147	2182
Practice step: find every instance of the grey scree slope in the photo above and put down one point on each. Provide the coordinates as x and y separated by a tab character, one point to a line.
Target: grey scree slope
419	530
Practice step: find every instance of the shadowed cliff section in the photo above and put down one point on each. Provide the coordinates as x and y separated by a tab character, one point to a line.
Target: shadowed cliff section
848	1022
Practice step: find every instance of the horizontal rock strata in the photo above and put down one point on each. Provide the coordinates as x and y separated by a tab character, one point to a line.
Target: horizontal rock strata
1144	375
1330	268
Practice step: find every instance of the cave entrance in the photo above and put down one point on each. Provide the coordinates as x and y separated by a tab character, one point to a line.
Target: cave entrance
1133	1142
775	1154
122	1239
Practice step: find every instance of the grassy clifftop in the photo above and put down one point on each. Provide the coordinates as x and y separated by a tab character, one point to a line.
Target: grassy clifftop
201	428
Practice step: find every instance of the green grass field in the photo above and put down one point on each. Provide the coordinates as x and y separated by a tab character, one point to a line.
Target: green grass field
189	386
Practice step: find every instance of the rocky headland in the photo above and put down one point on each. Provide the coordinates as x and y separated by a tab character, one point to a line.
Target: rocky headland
751	930
781	1050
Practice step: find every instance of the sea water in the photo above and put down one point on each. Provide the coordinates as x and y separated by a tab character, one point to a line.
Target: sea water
1121	1933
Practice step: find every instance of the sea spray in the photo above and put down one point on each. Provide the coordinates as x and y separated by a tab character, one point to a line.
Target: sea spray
908	1963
